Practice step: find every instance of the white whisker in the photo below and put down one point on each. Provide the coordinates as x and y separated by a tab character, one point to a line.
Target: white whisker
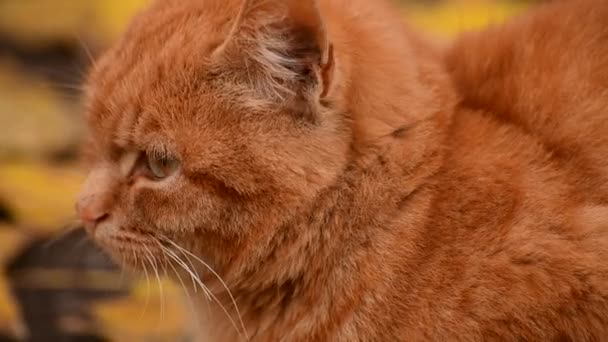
215	299
220	280
179	277
122	270
179	261
66	231
193	268
143	263
160	285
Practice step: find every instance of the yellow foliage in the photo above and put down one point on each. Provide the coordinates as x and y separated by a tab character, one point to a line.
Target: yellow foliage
40	21
11	241
451	18
114	14
150	312
41	196
8	310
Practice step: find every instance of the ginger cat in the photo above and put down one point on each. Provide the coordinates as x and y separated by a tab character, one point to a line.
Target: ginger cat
348	182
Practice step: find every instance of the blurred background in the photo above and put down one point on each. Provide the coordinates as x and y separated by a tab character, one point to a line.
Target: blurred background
54	284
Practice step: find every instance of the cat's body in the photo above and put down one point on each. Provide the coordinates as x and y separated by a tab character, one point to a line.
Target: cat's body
428	198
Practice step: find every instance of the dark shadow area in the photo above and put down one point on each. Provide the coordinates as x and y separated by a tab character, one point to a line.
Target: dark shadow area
6	216
55	281
6	338
62	63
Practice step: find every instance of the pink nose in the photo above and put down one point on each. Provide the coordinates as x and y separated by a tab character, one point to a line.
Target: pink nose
92	211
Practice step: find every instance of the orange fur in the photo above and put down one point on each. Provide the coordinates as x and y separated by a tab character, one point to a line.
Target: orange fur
348	182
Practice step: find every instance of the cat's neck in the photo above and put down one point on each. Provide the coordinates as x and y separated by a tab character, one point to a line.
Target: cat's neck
336	252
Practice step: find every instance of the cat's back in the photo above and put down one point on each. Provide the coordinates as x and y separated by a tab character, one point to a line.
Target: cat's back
546	74
517	236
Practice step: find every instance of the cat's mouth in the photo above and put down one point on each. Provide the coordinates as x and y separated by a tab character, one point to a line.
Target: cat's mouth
132	249
142	252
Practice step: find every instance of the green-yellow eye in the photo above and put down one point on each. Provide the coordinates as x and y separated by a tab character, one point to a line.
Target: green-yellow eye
161	167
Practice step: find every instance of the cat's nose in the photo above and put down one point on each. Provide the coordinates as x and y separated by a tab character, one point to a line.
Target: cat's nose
92	210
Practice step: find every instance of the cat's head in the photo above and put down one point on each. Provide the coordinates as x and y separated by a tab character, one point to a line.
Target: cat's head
210	123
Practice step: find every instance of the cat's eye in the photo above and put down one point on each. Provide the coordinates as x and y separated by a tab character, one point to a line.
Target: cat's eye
161	167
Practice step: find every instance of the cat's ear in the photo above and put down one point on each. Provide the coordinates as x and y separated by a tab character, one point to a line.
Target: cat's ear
285	42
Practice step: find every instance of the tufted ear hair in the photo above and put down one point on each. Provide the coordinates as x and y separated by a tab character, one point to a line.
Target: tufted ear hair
283	48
